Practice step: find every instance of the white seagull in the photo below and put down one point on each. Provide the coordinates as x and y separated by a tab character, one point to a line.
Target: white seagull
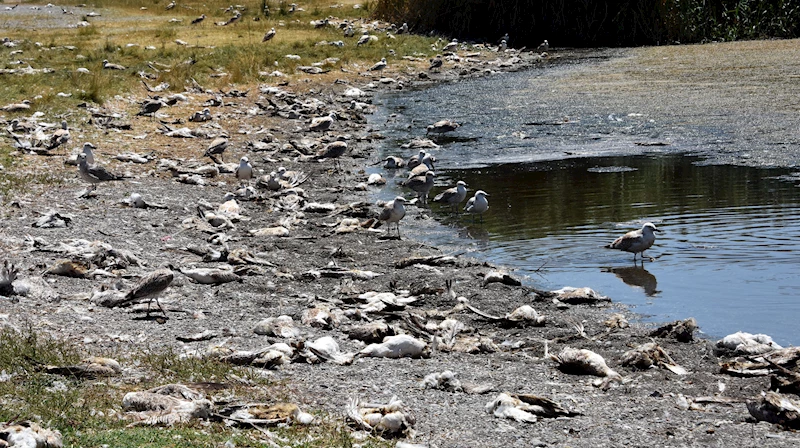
453	196
380	65
393	212
87	150
269	35
94	174
544	46
477	205
636	241
244	171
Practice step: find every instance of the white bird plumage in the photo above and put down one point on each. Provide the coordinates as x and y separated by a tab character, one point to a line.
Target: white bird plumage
478	204
393	212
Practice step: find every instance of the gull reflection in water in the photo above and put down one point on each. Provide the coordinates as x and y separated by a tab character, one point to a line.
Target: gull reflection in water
637	276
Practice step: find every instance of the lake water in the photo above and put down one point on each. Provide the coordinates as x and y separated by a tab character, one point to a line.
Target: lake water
562	188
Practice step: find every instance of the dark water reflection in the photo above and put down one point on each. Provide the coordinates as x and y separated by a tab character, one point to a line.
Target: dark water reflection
729	254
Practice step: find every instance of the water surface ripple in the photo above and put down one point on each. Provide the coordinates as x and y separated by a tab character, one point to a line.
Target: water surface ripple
561	188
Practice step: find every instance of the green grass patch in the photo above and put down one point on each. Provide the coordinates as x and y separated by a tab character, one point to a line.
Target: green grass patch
89	412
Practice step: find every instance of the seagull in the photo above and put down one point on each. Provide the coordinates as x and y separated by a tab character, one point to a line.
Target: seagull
414	161
198	117
422	185
477	204
269	35
453	196
435	62
544	46
334	150
363	40
217	147
170	5
199	19
503	45
636	241
59	136
244	171
94	174
393	162
451	45
422	168
151	286
87	150
322	123
111	66
150	107
393	212
403	29
442	127
380	65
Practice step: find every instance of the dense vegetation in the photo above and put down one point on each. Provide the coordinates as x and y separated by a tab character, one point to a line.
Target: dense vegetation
592	23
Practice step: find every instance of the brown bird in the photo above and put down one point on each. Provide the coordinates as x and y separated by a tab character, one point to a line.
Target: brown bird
636	241
333	151
151	286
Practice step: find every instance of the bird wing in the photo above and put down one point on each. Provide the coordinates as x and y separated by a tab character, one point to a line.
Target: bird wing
470	204
445	195
627	241
386	213
101	173
151	284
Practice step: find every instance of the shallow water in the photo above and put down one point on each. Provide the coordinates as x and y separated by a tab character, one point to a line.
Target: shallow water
728	254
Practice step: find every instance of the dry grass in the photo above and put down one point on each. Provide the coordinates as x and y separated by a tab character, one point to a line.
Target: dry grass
123	31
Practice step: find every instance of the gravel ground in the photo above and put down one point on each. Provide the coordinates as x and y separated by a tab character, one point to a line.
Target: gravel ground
644	409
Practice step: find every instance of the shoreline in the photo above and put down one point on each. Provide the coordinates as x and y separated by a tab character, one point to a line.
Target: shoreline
316	268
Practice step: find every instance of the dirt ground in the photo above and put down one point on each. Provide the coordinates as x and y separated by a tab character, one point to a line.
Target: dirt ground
648	407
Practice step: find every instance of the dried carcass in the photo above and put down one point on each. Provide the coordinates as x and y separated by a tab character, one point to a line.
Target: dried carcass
586	362
399	346
649	355
526	408
390	419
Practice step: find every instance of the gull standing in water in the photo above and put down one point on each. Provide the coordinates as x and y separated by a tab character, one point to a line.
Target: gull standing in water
636	241
422	168
94	174
393	162
477	205
422	185
453	196
393	212
414	161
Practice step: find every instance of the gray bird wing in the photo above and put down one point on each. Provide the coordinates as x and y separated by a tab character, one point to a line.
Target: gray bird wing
151	284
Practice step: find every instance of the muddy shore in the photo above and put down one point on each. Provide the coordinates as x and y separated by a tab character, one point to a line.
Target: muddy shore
312	265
